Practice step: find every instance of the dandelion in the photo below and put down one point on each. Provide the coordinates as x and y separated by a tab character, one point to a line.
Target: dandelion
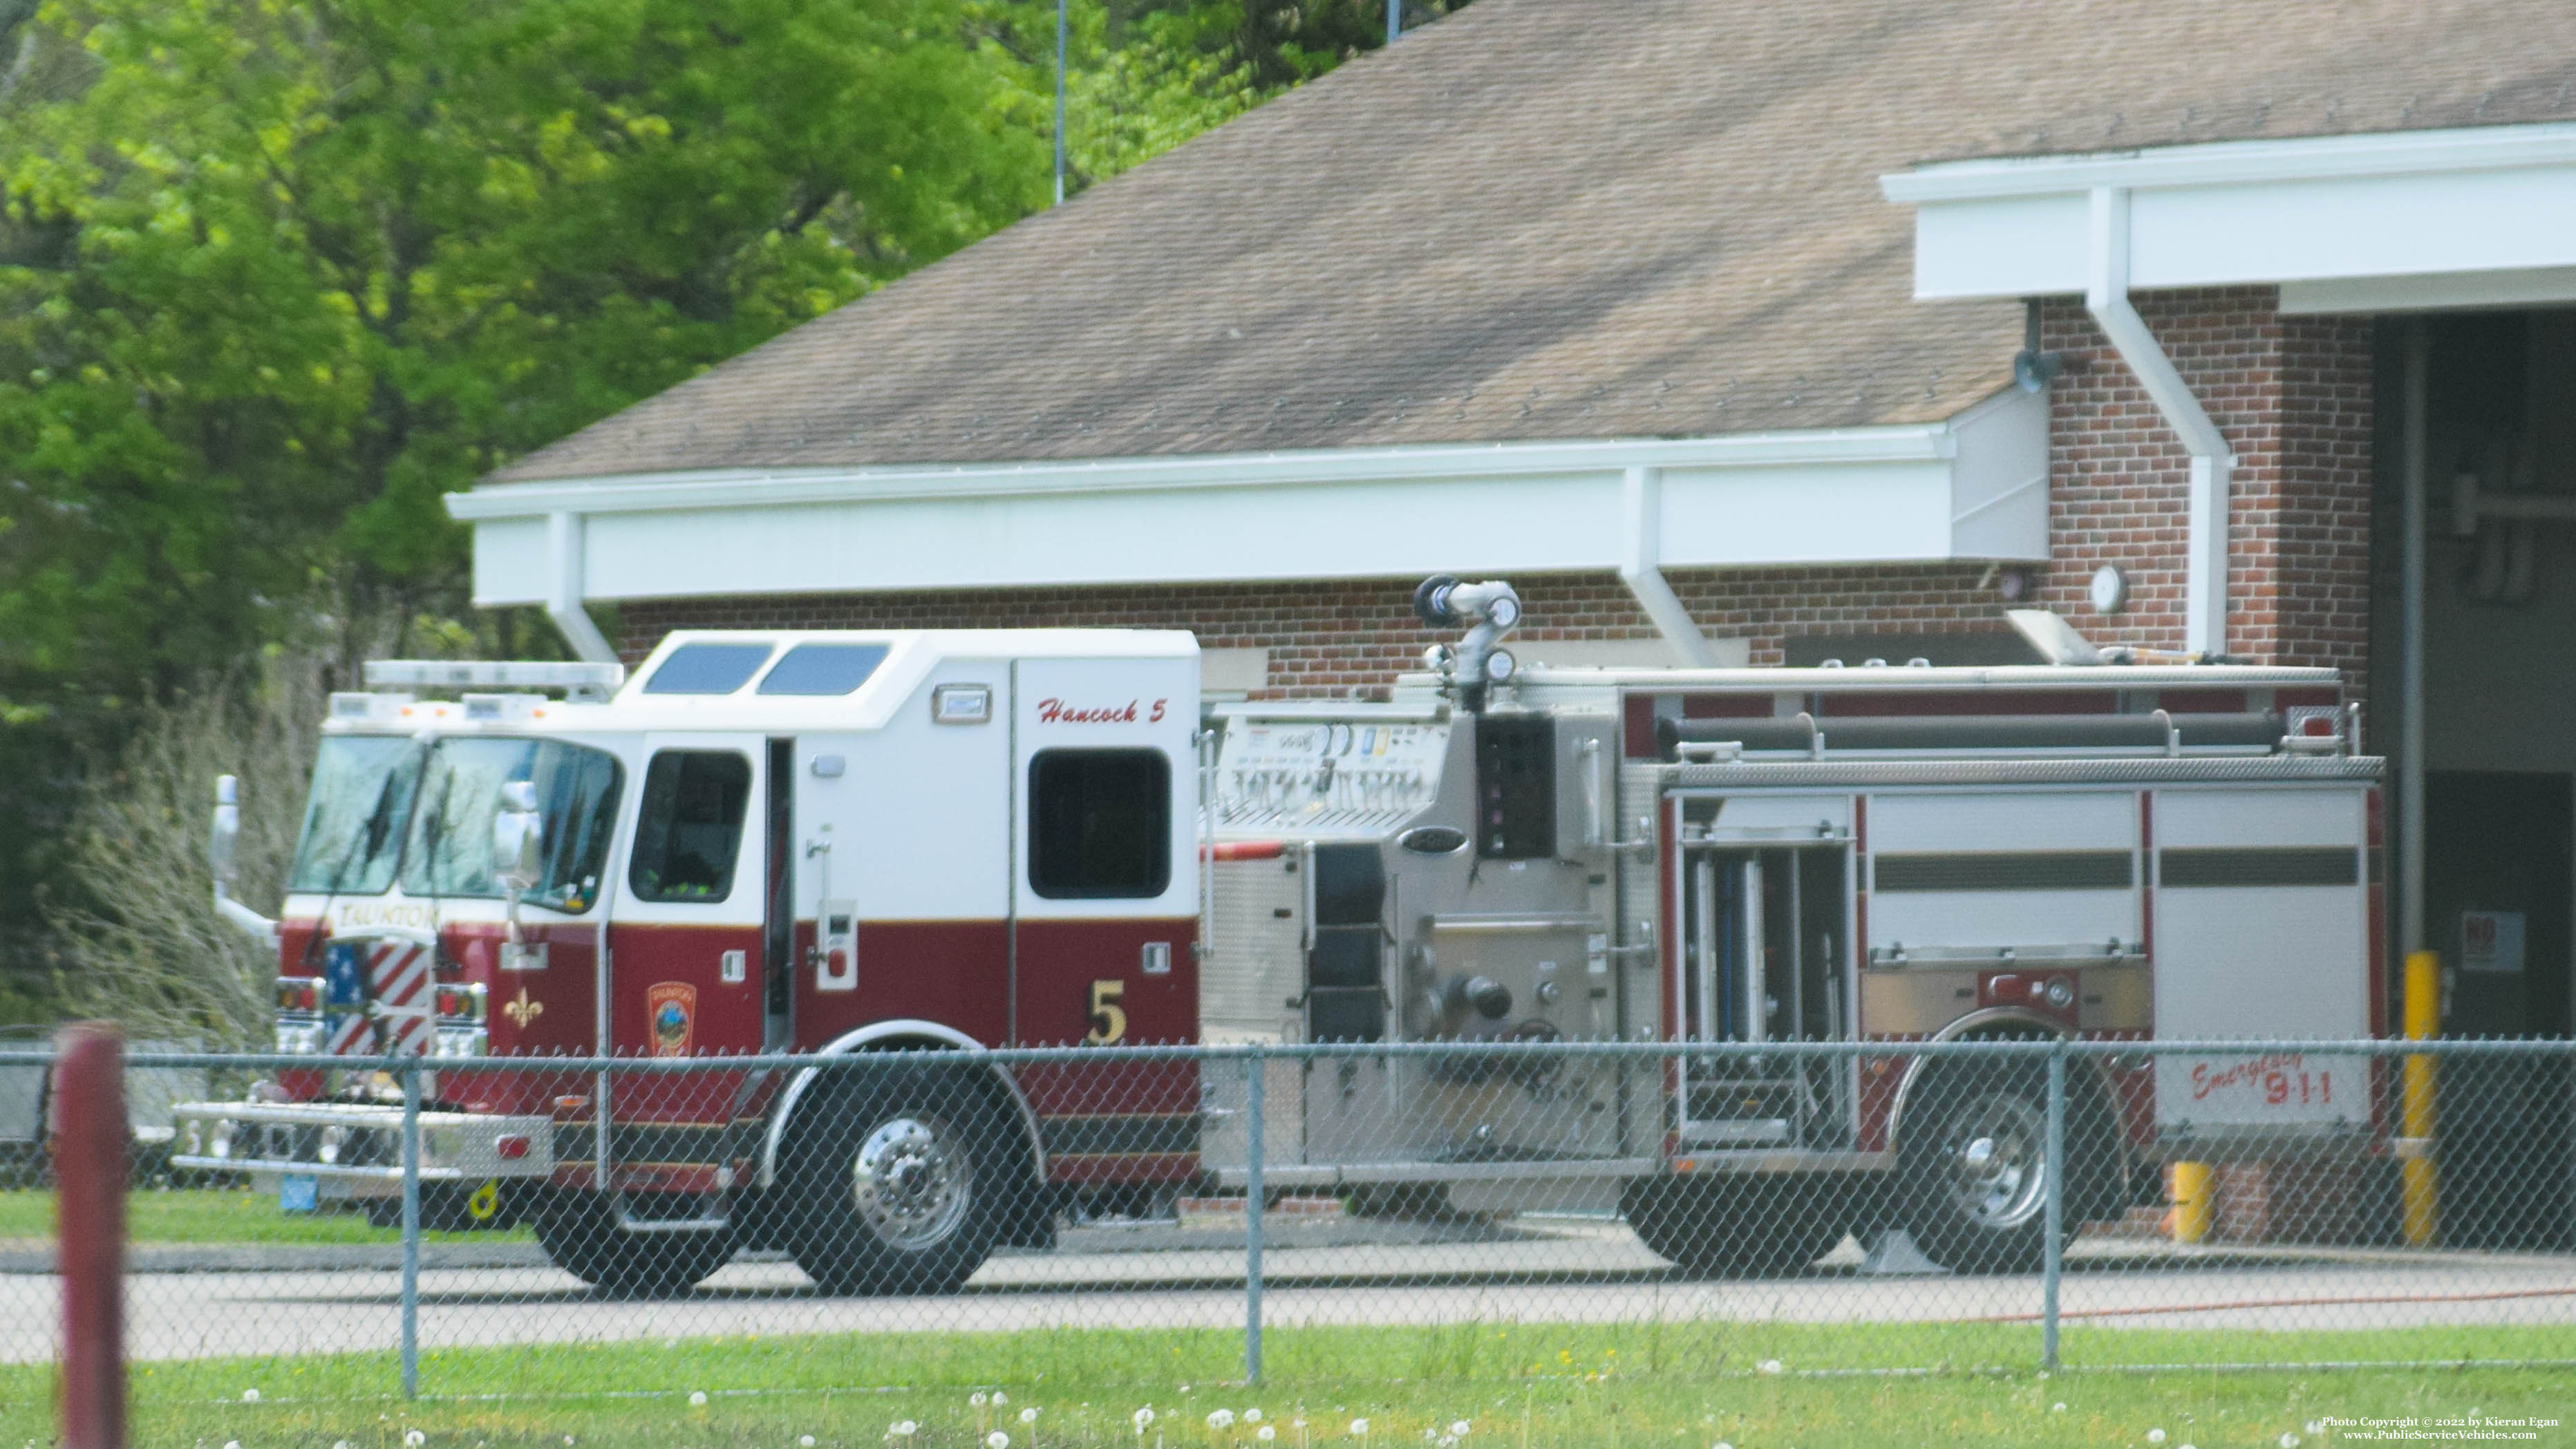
413	1439
1220	1419
1721	1444
1359	1428
697	1398
2289	1441
1028	1416
1000	1398
1768	1366
2155	1436
997	1440
2058	1407
1265	1433
250	1396
804	1441
1459	1429
1143	1417
1252	1416
978	1398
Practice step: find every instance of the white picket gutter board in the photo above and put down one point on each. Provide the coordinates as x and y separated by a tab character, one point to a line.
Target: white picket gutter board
1970	488
2394	219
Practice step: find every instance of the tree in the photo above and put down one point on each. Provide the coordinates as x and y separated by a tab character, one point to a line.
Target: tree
275	276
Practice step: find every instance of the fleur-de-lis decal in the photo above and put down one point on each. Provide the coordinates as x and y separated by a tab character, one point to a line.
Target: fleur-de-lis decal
522	1011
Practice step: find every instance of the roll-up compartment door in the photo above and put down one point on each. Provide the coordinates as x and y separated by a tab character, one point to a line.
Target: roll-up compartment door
2262	933
2026	870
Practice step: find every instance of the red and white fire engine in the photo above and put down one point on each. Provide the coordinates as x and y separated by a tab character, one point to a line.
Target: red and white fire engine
838	842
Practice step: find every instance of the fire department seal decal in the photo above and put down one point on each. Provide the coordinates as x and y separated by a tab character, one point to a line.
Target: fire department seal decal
671	1007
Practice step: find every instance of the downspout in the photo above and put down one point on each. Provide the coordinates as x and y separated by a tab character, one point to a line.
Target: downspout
564	590
1641	571
2106	296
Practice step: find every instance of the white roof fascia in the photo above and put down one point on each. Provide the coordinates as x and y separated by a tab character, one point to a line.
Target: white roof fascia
1972	487
2382	215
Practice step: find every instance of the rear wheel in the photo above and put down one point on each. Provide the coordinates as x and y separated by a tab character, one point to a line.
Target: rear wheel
1715	1227
1976	1169
581	1232
896	1183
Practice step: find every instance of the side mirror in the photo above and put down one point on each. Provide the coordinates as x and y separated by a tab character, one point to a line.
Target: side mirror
220	844
518	862
518	838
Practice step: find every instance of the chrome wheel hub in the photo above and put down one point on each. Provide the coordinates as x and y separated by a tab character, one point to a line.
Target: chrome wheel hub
1998	1161
911	1182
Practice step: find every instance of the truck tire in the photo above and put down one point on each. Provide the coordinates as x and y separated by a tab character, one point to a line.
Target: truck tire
1974	1169
895	1183
1713	1227
581	1233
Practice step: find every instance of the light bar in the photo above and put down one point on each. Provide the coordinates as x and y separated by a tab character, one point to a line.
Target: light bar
576	676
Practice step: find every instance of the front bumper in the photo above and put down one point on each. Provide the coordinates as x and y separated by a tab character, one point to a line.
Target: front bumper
356	1149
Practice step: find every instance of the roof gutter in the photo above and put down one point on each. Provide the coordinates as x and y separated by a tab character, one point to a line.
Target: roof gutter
2106	296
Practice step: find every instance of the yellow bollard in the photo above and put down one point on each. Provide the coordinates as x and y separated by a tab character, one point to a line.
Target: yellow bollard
2195	1204
2419	1183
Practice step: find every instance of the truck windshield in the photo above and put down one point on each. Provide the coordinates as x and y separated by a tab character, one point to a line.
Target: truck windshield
450	853
354	818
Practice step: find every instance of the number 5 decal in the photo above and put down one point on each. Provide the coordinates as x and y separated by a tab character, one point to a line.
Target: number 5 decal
1108	1018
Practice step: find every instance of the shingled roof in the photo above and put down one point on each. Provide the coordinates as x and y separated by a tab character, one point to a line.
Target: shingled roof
1560	219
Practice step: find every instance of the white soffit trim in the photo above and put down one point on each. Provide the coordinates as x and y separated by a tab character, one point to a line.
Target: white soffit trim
2407	206
1973	487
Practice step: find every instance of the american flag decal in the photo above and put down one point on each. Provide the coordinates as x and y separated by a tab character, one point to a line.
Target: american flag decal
381	995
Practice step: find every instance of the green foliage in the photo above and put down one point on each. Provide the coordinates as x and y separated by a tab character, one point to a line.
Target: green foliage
286	273
275	275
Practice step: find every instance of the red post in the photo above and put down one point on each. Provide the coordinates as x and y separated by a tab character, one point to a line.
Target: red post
89	1207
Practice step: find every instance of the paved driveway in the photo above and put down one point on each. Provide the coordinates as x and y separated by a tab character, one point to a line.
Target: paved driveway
220	1302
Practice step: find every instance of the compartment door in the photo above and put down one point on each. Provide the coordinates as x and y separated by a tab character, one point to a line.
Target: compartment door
2262	931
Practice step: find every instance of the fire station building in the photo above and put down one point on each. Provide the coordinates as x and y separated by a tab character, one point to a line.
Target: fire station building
1736	334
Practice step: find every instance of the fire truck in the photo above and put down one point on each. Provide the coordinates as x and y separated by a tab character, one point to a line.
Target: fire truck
825	843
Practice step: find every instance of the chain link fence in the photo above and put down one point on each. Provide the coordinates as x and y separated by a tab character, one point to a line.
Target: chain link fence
439	1227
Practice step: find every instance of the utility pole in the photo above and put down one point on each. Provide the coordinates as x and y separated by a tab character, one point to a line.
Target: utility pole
1060	31
1394	20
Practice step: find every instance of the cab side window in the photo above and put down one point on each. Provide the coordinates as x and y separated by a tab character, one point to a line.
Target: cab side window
1100	823
690	832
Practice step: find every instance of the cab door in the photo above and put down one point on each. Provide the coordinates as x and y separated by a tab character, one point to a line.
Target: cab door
1105	904
685	945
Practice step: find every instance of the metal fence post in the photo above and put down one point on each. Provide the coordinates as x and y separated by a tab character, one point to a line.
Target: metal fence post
411	1229
2053	1251
90	1180
1256	1068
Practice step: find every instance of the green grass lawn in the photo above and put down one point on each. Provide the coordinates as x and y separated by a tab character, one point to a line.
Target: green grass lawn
235	1215
1696	1384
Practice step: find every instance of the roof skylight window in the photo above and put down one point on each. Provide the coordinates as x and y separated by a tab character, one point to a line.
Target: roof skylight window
824	669
708	668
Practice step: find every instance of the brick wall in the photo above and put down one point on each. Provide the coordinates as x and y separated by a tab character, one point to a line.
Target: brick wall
2291	394
2293	397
